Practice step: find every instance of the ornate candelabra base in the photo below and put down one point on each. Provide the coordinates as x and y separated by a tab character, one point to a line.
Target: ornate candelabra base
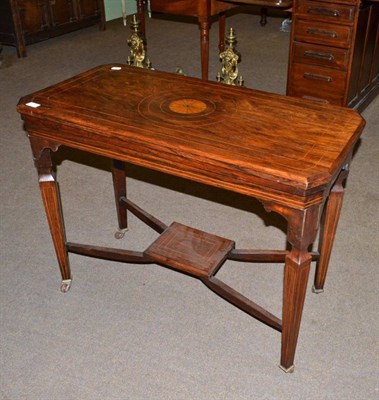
229	59
137	56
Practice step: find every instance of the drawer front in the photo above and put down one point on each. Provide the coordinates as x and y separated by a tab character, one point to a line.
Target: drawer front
323	33
181	7
329	12
190	7
351	2
320	55
321	84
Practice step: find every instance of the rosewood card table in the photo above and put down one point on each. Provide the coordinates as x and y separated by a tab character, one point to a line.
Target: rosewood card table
290	154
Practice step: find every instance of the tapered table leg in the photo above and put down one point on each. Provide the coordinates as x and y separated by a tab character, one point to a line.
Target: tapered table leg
119	186
328	230
51	200
295	283
302	229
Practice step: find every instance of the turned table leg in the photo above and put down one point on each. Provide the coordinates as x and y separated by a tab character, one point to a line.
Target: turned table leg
263	20
328	230
141	17
119	186
204	24
221	31
51	200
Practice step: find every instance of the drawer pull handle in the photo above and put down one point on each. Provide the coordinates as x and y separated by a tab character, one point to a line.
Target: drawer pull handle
317	77
324	101
322	32
320	56
324	11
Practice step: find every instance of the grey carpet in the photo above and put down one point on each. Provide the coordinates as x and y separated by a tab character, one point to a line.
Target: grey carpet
145	332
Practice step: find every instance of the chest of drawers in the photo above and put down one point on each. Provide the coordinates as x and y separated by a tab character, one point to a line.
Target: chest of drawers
334	53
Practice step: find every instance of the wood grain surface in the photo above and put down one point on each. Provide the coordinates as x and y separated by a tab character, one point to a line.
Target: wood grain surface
235	138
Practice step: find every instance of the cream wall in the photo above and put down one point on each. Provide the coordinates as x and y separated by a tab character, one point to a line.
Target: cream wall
113	8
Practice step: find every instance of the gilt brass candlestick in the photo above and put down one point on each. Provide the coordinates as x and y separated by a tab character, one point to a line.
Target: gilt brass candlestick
136	43
229	59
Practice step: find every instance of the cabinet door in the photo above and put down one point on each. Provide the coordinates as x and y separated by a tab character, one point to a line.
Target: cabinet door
33	16
365	67
61	12
89	8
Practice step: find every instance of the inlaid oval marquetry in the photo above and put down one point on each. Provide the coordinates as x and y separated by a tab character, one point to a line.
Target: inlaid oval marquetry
184	109
187	106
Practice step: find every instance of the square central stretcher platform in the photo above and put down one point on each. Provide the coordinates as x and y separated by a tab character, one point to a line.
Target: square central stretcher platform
290	154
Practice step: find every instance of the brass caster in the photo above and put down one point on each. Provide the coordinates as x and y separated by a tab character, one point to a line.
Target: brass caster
120	233
65	286
288	370
317	291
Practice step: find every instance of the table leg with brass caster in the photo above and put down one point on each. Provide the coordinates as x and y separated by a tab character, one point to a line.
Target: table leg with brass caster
66	285
51	199
120	233
301	233
119	186
328	229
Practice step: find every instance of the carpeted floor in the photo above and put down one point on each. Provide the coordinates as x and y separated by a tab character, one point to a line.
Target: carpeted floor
145	332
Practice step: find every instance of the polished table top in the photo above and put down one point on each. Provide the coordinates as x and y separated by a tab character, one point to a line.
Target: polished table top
235	138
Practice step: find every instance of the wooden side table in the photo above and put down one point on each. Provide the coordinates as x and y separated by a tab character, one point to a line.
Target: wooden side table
291	155
203	10
265	4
